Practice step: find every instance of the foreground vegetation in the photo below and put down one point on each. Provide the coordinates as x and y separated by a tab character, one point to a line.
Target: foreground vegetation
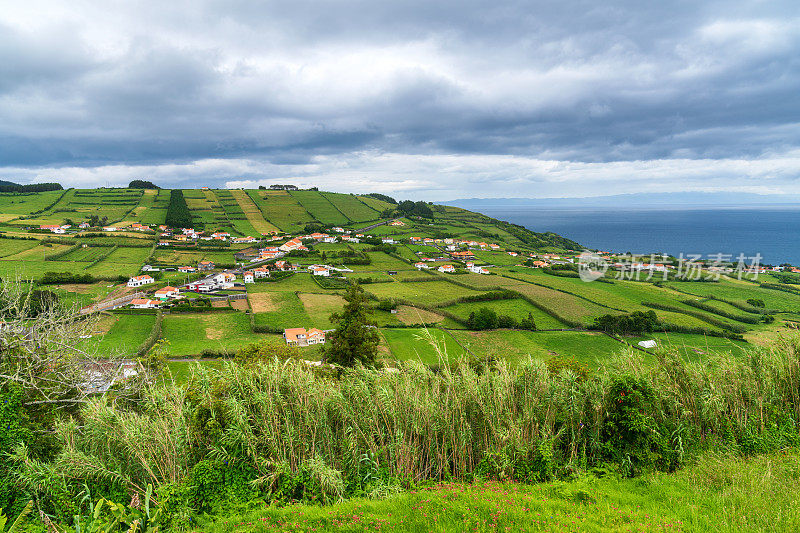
265	430
717	493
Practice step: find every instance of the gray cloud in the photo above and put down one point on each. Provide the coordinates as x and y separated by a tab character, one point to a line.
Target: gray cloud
164	87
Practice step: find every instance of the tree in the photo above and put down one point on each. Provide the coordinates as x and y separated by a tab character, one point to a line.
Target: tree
485	318
141	184
355	339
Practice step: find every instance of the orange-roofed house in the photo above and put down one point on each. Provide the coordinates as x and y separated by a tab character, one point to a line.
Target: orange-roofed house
301	337
144	303
447	269
167	292
138	281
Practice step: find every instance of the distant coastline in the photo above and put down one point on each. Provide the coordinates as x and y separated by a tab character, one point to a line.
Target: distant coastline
769	230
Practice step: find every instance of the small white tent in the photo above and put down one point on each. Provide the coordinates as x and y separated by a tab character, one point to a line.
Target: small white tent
647	344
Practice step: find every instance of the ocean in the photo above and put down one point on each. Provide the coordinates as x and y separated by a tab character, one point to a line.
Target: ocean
773	232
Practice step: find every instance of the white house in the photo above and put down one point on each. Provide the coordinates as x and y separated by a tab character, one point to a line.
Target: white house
421	265
301	337
167	292
260	272
477	269
224	280
138	281
320	271
143	303
329	238
387	240
249	277
447	268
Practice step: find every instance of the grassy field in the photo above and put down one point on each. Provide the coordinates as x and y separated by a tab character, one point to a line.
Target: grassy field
189	334
281	209
315	203
590	348
428	293
421	344
516	308
717	493
553	301
351	206
253	213
120	335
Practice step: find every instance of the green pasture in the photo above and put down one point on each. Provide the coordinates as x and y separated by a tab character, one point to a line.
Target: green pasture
319	206
590	348
426	345
426	294
516	308
124	335
352	207
281	209
191	333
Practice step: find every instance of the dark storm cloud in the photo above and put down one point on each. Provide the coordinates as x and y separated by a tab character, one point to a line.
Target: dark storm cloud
314	87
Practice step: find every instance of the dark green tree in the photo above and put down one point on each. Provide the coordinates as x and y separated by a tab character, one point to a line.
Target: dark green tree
355	339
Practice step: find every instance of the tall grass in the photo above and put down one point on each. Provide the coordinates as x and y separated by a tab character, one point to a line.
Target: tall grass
283	424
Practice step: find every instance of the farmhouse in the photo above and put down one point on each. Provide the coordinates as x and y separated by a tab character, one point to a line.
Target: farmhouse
143	303
249	277
167	292
138	281
318	270
463	255
54	229
291	245
261	272
421	265
205	265
447	268
84	225
109	228
301	337
477	269
186	269
397	223
387	240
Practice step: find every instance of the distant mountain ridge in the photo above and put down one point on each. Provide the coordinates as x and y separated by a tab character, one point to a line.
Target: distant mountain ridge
635	200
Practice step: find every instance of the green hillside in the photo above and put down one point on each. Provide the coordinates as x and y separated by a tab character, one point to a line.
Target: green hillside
699	318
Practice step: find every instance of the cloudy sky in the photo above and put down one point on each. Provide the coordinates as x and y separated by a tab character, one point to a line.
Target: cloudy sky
419	99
